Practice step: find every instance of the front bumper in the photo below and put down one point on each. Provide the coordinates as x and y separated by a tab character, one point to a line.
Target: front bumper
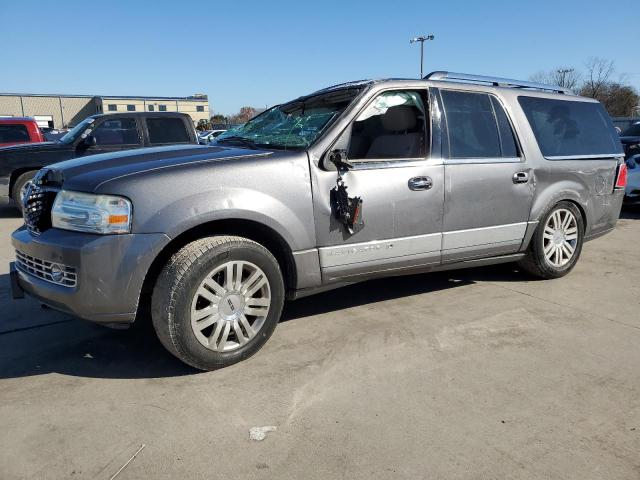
110	271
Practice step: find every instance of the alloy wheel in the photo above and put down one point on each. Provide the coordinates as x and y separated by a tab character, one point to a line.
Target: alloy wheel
560	237
230	306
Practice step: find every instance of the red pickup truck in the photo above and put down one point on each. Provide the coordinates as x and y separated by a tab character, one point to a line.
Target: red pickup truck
15	130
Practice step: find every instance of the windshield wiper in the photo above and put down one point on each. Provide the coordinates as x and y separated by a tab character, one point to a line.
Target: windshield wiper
239	139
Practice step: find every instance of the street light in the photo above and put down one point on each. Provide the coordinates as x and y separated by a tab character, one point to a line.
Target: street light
421	39
562	72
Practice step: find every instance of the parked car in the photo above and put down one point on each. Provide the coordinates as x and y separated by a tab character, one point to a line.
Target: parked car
356	181
632	191
208	136
630	139
51	134
95	134
17	130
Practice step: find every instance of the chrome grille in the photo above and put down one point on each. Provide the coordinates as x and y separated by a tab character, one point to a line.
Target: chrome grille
38	202
45	270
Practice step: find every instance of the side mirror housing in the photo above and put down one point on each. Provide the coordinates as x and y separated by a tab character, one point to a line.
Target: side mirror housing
336	158
339	159
89	141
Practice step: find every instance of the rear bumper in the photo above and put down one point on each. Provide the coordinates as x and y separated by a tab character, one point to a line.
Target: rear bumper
605	215
110	271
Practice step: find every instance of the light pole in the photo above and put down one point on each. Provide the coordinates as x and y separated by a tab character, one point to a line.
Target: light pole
421	39
562	72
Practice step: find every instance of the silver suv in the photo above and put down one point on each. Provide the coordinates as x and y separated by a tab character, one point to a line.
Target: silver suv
360	180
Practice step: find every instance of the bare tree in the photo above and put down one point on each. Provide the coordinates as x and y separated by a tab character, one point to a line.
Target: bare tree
598	77
244	115
562	76
619	100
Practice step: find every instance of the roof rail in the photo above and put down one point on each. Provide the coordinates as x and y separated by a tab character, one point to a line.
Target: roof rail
495	81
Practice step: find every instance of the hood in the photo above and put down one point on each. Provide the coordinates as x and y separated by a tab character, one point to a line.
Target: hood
87	173
34	147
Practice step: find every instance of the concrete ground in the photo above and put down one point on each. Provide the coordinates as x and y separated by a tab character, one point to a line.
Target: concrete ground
466	374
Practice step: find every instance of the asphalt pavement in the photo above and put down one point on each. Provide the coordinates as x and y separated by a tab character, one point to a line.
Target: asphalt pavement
467	374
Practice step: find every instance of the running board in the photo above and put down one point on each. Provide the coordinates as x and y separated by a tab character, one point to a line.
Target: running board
471	263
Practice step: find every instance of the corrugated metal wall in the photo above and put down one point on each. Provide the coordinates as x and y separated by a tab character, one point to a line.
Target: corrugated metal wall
68	111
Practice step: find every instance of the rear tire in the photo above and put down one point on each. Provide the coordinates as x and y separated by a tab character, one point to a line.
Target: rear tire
557	242
16	191
217	301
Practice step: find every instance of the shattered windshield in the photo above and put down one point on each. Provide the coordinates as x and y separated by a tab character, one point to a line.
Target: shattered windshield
294	125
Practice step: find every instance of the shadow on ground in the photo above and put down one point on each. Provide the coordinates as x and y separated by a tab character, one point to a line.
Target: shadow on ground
630	213
61	344
7	210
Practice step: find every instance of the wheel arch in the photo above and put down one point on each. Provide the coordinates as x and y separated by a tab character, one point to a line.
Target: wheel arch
251	229
569	198
16	174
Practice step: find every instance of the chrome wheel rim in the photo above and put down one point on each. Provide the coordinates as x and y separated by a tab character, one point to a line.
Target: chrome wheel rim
230	306
560	237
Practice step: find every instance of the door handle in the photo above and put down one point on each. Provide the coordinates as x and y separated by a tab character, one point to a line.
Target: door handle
520	177
420	183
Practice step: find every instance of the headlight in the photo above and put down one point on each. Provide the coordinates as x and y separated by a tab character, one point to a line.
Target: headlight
87	212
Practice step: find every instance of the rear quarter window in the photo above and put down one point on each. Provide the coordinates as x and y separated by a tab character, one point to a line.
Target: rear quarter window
13	133
565	128
167	130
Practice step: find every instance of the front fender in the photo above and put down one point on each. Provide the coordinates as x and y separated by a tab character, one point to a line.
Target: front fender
238	204
273	191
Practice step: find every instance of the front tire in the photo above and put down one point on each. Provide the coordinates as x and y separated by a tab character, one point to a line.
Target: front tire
557	242
217	301
18	186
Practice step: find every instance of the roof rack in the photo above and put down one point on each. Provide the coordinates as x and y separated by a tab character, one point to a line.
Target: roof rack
495	81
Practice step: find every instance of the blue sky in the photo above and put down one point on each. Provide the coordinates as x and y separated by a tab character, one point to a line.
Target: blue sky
264	52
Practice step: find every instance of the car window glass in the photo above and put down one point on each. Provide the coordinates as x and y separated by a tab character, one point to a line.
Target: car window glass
473	131
508	144
167	130
632	131
393	126
13	133
571	128
121	131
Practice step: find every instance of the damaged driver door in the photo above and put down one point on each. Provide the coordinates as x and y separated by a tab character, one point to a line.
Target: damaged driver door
382	168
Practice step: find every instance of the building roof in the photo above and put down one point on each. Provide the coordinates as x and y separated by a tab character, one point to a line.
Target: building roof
199	98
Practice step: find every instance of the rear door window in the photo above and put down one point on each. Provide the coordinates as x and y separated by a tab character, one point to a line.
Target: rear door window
473	130
565	128
13	134
117	131
167	130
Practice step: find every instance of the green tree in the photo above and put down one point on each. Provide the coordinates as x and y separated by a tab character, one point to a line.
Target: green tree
203	125
219	118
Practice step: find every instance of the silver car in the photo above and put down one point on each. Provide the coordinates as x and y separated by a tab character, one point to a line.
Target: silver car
632	190
356	181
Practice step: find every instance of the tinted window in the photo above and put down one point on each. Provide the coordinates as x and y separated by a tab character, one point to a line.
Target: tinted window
199	108
393	126
117	132
13	133
162	108
566	128
508	143
112	107
131	108
167	130
151	108
473	131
